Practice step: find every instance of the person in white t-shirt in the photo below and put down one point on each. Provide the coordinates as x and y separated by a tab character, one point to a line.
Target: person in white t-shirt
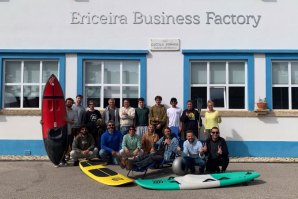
174	114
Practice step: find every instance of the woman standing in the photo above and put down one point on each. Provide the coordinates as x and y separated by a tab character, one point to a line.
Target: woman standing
212	118
148	140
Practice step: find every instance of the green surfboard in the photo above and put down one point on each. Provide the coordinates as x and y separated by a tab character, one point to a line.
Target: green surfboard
198	181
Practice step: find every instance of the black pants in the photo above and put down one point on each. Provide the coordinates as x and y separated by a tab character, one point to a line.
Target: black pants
149	160
213	164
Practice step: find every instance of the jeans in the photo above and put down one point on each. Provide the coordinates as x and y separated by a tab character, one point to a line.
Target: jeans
141	130
191	162
107	156
124	130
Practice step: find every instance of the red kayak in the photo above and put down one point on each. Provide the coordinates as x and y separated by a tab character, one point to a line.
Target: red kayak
54	127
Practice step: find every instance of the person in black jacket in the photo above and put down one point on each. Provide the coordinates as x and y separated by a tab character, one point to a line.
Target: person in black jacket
217	151
191	120
90	119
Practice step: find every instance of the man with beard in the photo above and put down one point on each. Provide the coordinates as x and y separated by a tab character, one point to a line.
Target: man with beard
193	153
71	120
111	112
217	150
90	119
111	141
83	146
165	149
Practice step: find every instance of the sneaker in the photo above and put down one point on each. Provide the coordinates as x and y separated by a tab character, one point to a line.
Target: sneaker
63	162
67	157
56	165
76	163
104	163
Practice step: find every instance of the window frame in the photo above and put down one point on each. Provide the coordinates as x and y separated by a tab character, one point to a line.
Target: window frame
36	56
225	86
210	55
128	55
278	57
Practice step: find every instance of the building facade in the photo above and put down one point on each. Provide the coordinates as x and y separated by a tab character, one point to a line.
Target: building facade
231	51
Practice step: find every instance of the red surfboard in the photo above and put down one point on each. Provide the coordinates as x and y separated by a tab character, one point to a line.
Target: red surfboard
54	127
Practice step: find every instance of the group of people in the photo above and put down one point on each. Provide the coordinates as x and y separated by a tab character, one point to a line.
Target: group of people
140	136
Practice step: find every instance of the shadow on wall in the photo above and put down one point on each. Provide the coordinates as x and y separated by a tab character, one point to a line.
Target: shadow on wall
237	148
2	117
268	120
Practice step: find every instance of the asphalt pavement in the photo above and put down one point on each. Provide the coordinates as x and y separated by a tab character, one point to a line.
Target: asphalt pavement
40	179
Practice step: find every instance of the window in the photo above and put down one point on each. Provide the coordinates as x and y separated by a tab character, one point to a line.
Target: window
221	81
24	81
105	79
285	84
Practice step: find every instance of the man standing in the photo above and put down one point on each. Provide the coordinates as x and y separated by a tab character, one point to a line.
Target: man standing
72	119
191	120
83	146
193	153
158	116
112	113
77	107
174	114
141	117
217	151
90	119
111	142
127	115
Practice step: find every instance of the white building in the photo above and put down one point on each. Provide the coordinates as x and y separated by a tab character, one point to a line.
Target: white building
232	51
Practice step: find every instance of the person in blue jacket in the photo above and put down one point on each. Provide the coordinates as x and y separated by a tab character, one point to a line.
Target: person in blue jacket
110	144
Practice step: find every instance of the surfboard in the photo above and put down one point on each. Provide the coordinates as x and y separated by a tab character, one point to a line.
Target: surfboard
102	174
53	115
191	181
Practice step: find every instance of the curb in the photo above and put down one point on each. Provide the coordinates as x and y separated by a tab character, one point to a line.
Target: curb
232	159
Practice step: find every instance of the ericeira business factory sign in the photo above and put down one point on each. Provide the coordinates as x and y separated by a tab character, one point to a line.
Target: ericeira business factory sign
138	18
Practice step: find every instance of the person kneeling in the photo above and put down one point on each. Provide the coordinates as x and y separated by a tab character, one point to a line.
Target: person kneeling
83	146
217	151
193	153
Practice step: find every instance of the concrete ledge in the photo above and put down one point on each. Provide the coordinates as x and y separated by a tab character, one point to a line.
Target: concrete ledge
232	159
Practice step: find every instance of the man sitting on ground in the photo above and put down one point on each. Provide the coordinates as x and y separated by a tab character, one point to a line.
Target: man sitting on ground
131	147
83	146
165	149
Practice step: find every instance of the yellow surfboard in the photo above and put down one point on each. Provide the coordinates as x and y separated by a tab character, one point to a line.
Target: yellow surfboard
103	174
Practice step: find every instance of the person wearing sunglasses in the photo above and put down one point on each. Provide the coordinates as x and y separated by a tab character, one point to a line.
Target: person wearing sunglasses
217	151
111	141
131	147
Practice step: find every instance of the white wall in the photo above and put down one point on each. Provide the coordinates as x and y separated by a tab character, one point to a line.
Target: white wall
260	74
47	24
165	77
71	76
232	128
20	128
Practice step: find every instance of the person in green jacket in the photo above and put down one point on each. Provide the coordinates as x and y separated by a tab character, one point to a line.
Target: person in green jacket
158	116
